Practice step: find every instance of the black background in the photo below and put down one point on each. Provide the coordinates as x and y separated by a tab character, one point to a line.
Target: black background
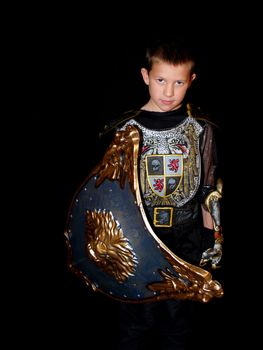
84	71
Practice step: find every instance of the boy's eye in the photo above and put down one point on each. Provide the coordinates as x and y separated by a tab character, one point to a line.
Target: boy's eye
162	81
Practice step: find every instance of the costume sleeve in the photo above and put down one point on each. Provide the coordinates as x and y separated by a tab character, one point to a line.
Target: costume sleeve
211	195
209	157
211	160
211	173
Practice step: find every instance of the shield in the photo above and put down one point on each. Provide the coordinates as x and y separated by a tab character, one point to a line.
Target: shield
111	244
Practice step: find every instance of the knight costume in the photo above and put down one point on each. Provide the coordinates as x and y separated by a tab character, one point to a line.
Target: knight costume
147	219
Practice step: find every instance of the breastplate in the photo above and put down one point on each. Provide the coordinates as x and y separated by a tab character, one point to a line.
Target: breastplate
170	166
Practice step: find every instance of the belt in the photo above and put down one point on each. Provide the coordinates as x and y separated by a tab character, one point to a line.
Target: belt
168	216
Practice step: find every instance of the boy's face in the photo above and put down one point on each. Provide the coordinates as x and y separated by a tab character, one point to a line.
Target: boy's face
168	85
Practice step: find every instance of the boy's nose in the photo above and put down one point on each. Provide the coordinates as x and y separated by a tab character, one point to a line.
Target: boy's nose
168	90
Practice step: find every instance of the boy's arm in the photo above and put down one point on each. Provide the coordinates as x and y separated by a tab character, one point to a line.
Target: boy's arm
212	204
211	196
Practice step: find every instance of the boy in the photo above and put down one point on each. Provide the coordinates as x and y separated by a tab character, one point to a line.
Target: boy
179	193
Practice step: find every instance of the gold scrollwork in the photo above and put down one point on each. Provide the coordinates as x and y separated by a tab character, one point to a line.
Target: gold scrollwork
192	283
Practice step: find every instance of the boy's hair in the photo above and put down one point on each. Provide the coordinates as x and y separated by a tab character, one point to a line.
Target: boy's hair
170	51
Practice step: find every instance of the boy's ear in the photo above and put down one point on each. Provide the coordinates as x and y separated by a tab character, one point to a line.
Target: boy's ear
193	77
145	75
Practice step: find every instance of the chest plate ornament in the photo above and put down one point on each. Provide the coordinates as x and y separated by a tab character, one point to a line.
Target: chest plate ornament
170	167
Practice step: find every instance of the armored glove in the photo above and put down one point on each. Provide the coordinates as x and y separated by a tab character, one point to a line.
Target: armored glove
214	254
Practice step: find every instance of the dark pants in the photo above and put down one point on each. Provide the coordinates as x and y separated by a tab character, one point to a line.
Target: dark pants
160	325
